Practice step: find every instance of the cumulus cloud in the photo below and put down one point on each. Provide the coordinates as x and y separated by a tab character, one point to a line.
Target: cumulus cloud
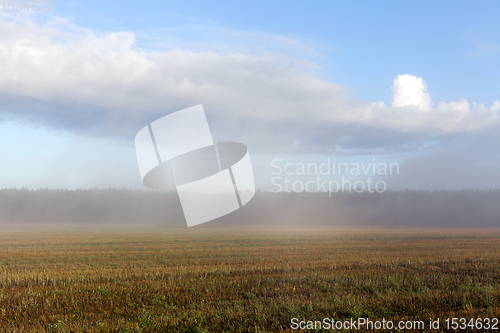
410	90
102	83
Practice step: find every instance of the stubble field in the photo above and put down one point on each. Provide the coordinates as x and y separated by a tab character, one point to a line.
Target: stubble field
242	279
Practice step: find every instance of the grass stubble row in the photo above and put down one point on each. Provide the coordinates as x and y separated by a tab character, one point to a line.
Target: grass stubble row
242	279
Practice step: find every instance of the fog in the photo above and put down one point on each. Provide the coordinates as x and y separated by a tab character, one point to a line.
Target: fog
25	209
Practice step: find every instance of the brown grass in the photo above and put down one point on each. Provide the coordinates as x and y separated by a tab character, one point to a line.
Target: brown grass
241	280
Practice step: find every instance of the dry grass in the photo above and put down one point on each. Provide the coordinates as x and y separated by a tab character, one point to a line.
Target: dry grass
241	280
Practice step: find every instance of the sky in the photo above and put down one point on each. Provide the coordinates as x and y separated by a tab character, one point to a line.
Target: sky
413	83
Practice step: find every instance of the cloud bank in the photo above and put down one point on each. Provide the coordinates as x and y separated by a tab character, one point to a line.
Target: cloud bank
63	76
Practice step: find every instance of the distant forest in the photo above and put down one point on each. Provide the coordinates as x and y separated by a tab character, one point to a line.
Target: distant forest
465	208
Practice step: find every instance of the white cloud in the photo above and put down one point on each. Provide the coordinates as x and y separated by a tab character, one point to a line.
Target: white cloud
104	77
410	90
412	111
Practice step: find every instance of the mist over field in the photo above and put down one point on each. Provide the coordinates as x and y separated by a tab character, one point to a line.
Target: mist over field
130	208
249	166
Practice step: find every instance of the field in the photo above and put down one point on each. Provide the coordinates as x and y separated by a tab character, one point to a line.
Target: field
242	280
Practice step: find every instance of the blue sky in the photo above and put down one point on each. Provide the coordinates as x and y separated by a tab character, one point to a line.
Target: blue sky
364	45
301	80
